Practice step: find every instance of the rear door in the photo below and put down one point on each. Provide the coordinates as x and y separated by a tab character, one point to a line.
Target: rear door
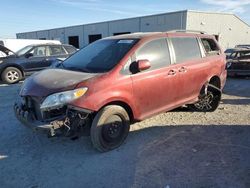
155	89
243	61
55	51
70	49
191	69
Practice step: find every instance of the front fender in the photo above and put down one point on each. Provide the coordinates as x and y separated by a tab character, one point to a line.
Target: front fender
97	101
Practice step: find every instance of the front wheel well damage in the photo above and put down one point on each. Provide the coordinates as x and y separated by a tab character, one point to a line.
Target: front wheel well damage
209	97
215	81
125	106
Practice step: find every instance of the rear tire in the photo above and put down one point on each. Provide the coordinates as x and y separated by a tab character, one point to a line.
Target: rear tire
110	128
208	102
11	75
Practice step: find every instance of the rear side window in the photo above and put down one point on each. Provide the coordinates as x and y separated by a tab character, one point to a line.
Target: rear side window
186	49
70	49
56	50
39	51
244	55
210	47
156	52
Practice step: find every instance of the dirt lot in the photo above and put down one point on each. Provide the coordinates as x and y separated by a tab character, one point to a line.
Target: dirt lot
175	149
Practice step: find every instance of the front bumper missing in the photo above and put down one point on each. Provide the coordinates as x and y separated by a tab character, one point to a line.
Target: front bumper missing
74	122
27	118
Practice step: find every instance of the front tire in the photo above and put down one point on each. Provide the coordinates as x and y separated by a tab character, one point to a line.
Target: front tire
110	128
11	75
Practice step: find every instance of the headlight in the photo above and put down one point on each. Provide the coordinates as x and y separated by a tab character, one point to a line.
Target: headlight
58	100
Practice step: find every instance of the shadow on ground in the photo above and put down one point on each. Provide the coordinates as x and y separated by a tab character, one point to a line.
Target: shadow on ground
237	87
244	101
178	156
159	156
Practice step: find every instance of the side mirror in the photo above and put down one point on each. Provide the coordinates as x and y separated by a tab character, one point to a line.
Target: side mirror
28	55
143	64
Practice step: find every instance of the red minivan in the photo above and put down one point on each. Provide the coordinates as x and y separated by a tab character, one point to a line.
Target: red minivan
116	81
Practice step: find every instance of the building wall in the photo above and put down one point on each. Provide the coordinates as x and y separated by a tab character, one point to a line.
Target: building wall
230	28
57	34
74	31
28	35
162	22
42	34
94	29
165	22
129	25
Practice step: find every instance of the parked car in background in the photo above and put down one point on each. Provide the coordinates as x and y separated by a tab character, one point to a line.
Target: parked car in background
118	80
17	44
229	51
5	51
238	62
30	59
243	46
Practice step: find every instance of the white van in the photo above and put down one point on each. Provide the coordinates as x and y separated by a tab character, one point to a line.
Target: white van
17	44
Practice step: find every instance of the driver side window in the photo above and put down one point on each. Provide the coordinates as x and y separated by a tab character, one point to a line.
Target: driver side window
39	51
157	52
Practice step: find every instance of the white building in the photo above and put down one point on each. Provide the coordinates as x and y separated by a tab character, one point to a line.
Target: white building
228	28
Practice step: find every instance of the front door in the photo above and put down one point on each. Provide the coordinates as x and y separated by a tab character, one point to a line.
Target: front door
36	61
155	89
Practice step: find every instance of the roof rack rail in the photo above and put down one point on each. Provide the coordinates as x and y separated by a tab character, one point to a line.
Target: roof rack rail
186	31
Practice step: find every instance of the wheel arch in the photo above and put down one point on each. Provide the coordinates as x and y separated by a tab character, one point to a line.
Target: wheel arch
123	104
215	81
15	66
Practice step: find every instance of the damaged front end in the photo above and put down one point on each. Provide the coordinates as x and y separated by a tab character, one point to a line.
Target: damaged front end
66	121
45	100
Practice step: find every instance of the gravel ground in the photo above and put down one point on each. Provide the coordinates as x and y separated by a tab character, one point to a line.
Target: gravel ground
174	149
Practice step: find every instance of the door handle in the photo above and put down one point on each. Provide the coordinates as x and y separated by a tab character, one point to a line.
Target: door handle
183	69
172	72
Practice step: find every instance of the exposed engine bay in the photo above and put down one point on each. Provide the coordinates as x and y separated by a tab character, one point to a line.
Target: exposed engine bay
67	121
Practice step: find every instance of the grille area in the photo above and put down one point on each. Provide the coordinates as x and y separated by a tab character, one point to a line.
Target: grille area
33	106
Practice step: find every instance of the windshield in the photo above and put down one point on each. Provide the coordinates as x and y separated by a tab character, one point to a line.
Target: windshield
23	50
228	51
100	56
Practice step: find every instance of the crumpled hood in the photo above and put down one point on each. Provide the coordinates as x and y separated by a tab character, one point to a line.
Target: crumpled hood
51	81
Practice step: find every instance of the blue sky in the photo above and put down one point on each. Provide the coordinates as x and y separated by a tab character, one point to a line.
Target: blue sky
29	15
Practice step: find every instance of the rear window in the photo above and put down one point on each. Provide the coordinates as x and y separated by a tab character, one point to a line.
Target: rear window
56	50
186	49
229	51
70	49
210	47
244	55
